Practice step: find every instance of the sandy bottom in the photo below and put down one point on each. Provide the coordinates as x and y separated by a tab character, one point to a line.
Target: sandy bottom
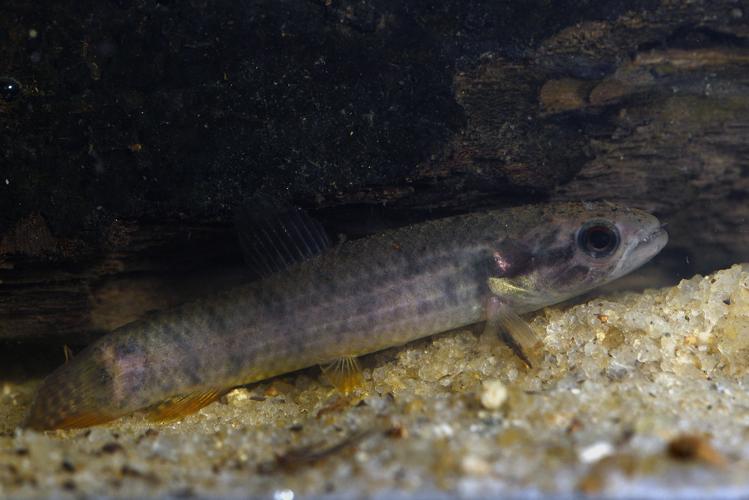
636	394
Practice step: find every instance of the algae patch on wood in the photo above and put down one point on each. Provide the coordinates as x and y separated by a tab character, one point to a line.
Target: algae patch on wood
637	394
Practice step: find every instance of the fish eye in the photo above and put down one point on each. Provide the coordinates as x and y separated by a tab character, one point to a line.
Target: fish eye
598	239
9	88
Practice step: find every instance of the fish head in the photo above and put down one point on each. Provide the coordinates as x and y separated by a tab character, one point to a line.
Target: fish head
571	249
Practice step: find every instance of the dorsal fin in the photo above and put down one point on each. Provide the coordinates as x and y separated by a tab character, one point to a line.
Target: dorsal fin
273	241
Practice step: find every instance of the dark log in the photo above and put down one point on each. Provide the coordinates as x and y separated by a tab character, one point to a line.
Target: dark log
48	291
130	131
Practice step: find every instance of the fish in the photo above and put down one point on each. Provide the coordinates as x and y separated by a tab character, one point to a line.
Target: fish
322	304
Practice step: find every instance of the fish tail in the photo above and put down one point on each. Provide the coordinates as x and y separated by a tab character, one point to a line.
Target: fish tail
75	395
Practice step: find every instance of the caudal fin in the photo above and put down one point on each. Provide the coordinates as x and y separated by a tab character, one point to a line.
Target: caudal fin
75	395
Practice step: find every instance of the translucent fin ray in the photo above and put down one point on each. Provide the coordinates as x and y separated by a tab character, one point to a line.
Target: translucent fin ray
77	421
344	374
181	406
514	331
273	241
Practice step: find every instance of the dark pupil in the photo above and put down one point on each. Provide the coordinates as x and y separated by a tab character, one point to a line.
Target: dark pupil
599	238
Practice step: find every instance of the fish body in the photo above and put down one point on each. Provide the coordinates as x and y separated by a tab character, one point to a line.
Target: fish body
360	297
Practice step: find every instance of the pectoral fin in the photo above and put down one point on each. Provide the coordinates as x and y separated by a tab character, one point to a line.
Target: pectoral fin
181	406
513	330
344	374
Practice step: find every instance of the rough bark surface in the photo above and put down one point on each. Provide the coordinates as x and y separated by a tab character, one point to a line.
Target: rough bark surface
130	131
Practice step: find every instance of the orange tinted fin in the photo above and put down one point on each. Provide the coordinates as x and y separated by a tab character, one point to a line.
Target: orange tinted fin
70	421
344	373
181	406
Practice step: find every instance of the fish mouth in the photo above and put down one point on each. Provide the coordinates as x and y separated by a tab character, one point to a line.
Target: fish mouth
659	236
646	248
649	245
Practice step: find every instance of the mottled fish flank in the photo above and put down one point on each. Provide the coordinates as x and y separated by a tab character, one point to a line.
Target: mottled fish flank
357	298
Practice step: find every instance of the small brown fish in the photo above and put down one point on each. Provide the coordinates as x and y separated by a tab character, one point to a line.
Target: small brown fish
363	296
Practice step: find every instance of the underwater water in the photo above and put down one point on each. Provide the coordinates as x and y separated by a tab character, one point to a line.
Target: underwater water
150	150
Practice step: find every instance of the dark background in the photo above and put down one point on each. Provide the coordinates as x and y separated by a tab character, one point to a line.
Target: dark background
130	132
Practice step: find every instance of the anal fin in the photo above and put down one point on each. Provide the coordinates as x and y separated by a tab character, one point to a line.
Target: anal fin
344	374
181	406
77	421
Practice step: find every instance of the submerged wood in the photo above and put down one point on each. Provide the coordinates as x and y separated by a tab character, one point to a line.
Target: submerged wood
647	106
